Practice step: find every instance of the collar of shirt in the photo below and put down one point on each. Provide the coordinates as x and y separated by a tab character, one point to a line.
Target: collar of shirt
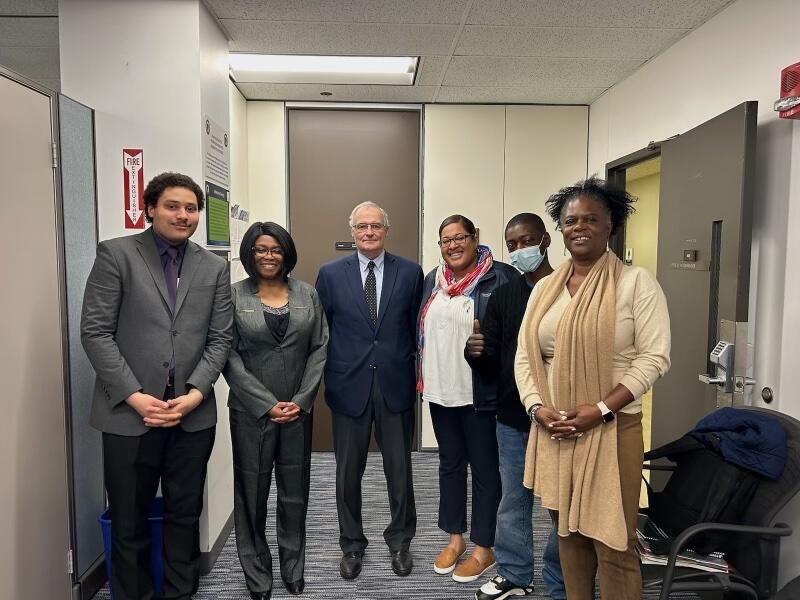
162	245
363	262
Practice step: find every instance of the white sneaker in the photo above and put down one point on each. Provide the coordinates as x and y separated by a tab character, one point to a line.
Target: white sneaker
498	587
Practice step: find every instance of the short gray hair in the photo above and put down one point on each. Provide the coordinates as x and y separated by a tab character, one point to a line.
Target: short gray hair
351	220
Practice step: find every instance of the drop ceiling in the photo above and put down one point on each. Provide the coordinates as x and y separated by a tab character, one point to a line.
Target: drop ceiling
472	51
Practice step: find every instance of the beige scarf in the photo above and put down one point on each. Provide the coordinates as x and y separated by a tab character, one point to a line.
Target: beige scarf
578	477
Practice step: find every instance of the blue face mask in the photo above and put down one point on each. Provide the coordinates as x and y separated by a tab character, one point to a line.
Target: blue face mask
527	259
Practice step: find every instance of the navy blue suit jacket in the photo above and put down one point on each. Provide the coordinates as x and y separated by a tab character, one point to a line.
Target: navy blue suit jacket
356	348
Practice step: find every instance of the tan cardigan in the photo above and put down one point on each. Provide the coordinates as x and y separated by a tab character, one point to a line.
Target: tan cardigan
641	338
580	477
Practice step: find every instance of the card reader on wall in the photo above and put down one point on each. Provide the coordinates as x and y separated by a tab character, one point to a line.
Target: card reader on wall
722	357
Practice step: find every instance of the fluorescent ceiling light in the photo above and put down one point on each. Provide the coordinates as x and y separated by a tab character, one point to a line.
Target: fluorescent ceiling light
293	68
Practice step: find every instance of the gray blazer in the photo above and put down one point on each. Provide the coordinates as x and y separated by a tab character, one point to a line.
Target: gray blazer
129	332
260	370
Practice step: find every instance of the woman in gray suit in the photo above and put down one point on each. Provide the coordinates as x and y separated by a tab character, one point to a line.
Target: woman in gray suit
274	369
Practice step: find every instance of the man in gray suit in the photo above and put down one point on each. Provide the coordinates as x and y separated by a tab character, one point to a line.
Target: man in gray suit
156	326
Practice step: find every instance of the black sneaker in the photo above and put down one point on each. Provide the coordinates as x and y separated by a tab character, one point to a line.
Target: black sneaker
499	587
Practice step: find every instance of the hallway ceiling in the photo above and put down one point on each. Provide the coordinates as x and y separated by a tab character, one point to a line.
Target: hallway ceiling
472	51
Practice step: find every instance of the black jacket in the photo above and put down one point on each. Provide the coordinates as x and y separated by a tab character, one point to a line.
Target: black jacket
500	328
484	383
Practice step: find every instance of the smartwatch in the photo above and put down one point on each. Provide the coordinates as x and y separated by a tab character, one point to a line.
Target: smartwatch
606	412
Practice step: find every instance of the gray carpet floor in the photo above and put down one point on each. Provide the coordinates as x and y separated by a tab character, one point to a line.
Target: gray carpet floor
376	582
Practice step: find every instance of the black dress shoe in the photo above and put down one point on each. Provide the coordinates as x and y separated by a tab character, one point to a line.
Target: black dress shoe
295	587
402	563
260	595
350	565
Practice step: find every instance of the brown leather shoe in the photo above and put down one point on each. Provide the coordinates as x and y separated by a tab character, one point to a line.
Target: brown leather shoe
472	568
447	559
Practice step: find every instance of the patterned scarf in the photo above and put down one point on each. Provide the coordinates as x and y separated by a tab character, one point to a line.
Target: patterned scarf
446	283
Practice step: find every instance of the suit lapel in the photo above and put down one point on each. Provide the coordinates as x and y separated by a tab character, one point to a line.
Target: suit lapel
149	253
191	261
353	276
296	300
389	277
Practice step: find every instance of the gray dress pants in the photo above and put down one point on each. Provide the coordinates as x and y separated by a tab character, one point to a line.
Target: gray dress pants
258	444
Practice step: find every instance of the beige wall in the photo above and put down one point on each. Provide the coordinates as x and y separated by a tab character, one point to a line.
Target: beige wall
492	162
641	232
545	150
266	160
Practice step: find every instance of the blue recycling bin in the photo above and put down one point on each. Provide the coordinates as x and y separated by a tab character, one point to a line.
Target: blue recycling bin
156	520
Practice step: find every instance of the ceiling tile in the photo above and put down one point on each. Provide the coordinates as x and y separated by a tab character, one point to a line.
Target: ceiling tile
522	95
515	72
29	7
339	38
681	14
33	63
19	31
350	11
565	41
341	93
430	70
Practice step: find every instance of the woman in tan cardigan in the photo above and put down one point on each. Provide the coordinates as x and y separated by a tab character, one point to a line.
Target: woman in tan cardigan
594	338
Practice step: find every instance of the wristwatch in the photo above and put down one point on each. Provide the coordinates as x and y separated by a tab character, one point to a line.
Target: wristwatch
532	412
606	412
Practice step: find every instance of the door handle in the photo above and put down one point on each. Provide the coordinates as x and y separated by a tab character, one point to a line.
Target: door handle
711	379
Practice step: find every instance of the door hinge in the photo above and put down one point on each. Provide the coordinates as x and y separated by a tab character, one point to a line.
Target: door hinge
54	149
69	561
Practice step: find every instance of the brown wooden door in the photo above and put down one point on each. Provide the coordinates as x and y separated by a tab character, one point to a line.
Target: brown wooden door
337	159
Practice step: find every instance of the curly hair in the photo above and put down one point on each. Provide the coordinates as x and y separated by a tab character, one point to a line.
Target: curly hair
617	201
161	182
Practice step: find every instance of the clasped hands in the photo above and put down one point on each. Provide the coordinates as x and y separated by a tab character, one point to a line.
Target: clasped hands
569	424
164	413
284	412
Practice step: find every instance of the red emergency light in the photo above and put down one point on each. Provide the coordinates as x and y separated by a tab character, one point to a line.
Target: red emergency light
788	106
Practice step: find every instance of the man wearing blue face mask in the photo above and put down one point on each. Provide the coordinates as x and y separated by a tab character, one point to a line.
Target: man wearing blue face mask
491	348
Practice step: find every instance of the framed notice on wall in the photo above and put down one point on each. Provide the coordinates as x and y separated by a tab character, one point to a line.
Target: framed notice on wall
218	222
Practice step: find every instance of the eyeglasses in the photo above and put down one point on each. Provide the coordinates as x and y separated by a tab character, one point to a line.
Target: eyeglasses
362	227
456	239
261	251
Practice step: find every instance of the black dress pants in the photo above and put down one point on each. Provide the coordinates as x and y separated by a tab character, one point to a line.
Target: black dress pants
351	437
258	444
467	437
133	466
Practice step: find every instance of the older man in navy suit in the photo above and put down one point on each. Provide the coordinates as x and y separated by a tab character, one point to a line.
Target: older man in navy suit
371	300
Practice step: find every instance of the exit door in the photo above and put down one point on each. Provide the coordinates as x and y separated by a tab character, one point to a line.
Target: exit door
338	159
704	238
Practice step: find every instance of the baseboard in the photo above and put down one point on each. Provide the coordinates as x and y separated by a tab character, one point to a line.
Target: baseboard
207	559
90	582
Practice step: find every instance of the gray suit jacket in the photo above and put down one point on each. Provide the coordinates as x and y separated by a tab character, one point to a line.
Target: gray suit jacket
129	332
261	370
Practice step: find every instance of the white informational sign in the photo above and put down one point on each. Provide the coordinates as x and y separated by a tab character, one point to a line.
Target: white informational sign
216	153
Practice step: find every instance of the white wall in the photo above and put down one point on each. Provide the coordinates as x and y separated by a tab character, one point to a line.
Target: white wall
240	182
735	56
267	152
112	59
